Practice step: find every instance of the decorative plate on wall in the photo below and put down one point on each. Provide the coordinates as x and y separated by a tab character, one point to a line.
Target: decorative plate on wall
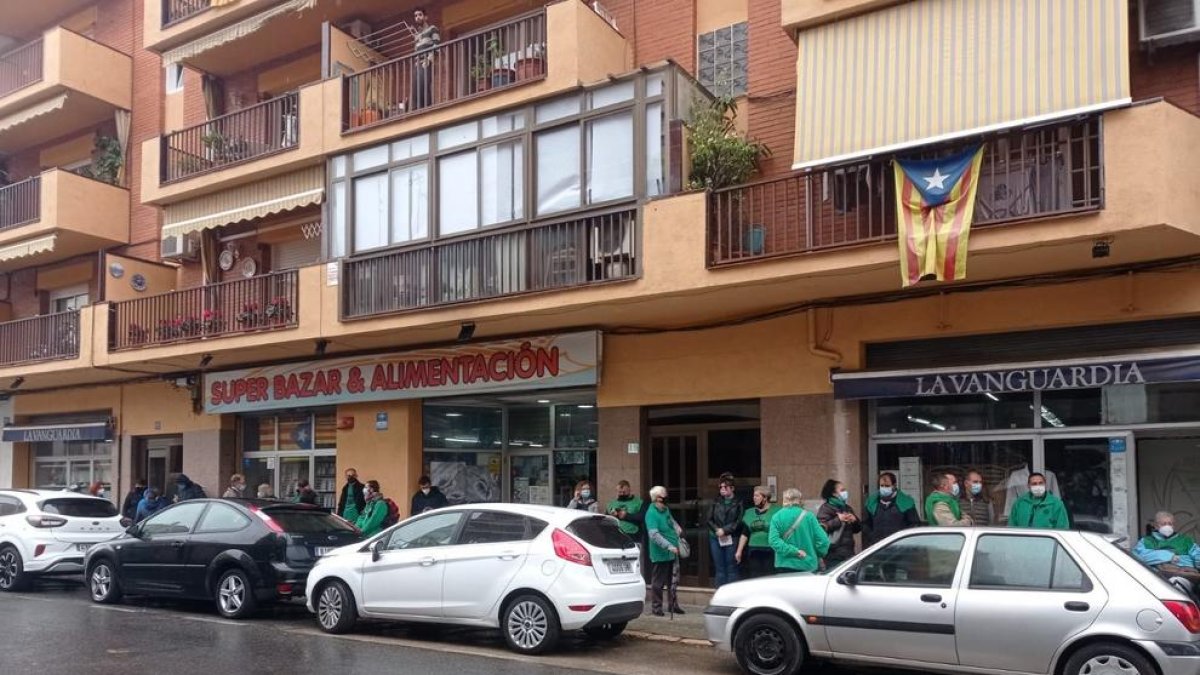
249	267
117	270
225	260
138	282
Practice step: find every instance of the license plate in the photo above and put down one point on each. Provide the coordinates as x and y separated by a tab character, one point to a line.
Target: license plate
82	548
319	551
620	566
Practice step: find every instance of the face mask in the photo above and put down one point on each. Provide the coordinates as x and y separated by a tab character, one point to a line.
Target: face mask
367	492
1166	531
586	494
624	498
1038	490
955	490
425	490
886	491
351	479
844	496
976	488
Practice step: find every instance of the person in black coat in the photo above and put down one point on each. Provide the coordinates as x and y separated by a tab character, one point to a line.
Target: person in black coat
351	502
129	508
428	497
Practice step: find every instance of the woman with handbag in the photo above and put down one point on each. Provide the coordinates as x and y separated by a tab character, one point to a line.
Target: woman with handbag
666	547
797	538
839	521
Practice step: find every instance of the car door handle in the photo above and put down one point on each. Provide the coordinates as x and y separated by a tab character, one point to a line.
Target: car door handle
931	597
427	561
177	544
508	555
1077	606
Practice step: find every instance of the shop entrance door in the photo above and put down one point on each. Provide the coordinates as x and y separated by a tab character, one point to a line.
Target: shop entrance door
675	464
1092	477
164	456
530	478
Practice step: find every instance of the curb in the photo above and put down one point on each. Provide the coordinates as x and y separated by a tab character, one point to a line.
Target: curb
659	637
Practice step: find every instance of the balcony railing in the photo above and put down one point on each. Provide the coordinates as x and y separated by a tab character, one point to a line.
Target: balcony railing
240	136
268	302
20	67
590	249
20	202
494	58
41	338
174	11
1034	173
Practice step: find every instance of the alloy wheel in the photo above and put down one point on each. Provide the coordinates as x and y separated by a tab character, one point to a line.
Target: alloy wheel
1108	665
766	648
329	607
101	581
232	594
8	569
527	624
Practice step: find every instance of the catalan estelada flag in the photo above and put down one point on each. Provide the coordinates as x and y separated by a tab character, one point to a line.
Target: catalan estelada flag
935	202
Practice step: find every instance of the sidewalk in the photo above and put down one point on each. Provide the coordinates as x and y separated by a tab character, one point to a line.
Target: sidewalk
685	629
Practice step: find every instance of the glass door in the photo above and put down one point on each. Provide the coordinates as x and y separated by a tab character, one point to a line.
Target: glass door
675	464
325	481
1091	476
291	470
258	470
530	478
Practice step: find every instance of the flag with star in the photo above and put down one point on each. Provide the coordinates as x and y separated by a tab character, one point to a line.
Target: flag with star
935	202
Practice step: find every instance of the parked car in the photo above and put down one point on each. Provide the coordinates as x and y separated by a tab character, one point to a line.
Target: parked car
984	600
47	532
237	552
532	571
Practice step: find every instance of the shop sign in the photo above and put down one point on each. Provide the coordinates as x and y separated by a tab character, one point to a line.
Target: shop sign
553	361
1042	377
43	433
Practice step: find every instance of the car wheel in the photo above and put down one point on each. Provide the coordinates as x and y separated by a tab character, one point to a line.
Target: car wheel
103	584
605	631
12	570
336	612
530	625
766	644
1108	658
235	596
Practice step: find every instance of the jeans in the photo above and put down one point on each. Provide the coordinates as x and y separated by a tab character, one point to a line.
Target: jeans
724	563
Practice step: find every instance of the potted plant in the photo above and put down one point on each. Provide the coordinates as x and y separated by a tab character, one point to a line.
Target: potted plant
491	67
250	316
372	108
106	161
279	310
532	63
137	334
212	321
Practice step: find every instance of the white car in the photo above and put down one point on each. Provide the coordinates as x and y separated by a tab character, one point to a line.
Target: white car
532	571
46	532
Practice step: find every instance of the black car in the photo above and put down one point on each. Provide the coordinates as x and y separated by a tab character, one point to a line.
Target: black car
237	552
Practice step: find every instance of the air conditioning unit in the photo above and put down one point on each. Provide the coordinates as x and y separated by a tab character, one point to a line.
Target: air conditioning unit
181	247
357	28
1167	22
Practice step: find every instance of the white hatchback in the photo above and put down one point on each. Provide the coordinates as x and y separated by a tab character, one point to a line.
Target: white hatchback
532	571
47	532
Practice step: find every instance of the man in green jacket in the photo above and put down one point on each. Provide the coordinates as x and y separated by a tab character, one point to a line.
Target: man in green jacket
942	507
375	512
797	538
1038	508
627	508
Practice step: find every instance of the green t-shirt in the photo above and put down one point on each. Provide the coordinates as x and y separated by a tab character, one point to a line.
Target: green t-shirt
659	520
758	525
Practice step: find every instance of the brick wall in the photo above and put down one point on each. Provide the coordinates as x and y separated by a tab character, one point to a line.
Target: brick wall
147	123
25	300
772	92
194	111
1172	73
114	24
659	30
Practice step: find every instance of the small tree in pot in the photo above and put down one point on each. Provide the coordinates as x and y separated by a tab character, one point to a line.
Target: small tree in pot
721	155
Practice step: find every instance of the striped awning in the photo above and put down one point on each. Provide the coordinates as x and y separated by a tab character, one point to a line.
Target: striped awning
25	114
274	195
237	31
27	248
932	70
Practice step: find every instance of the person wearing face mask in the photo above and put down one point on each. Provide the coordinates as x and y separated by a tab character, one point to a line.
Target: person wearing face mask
975	501
1039	509
839	521
427	497
629	509
663	532
753	547
351	501
1165	546
724	523
583	499
888	511
942	507
237	487
375	512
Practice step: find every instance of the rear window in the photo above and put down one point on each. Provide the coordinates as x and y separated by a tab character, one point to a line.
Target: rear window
309	522
80	508
601	532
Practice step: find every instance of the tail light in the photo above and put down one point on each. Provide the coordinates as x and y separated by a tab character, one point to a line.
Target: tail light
568	548
267	520
1186	612
39	550
45	521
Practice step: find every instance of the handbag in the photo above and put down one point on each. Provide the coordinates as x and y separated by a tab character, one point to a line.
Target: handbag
685	549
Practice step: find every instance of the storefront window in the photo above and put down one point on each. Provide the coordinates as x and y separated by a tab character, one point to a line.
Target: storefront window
575	426
465	477
452	427
279	450
529	426
72	465
954	413
1070	408
1004	465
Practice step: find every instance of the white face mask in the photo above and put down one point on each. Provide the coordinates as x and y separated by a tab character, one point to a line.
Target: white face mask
844	496
1166	531
1038	490
955	490
886	491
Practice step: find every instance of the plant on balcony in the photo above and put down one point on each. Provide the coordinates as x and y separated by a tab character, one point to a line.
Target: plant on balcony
212	321
107	160
224	148
491	68
179	327
721	155
137	334
279	310
250	316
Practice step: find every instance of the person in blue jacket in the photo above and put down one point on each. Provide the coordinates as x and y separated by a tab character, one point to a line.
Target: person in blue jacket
151	503
1165	546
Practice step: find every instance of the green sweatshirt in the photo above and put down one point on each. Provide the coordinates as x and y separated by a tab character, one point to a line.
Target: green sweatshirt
371	520
633	510
659	522
809	537
1043	513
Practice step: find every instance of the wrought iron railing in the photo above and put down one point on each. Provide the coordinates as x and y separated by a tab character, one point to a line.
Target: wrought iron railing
21	67
174	11
1030	173
40	338
240	136
587	249
494	58
20	202
268	302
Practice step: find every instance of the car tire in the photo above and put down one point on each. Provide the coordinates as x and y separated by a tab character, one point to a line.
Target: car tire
530	625
605	631
1108	657
12	570
235	595
102	582
767	644
336	611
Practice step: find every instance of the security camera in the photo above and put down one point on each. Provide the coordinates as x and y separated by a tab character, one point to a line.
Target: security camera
1101	248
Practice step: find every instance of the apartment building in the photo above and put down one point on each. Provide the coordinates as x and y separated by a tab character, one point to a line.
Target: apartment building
283	238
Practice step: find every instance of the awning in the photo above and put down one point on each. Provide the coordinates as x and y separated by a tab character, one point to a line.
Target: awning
256	200
84	431
28	247
924	72
25	114
235	32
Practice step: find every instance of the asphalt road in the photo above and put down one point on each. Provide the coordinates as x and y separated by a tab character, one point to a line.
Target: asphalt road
55	628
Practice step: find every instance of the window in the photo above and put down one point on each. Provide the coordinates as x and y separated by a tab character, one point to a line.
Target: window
435	530
174	78
656	183
69	299
10	506
370	212
558	180
601	532
80	508
179	519
410	203
222	518
927	560
493	527
458	207
503	186
610	158
1025	563
295	521
724	61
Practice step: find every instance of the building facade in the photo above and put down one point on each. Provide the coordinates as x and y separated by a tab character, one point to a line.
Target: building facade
279	238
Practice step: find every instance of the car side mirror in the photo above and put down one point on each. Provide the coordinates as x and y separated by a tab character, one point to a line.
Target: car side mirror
134	531
375	549
848	578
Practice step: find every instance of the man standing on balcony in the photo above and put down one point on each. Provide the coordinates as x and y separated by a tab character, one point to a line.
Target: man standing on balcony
426	39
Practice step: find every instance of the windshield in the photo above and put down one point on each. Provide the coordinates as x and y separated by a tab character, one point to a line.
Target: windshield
79	507
295	521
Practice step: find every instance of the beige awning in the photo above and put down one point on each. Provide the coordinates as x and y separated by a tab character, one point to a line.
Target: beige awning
28	248
274	195
237	31
25	114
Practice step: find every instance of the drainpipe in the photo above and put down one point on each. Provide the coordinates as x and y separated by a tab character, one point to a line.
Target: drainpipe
814	346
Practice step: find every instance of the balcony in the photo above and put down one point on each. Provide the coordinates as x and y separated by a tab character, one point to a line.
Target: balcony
586	250
174	11
51	337
59	83
58	215
23	18
264	303
238	137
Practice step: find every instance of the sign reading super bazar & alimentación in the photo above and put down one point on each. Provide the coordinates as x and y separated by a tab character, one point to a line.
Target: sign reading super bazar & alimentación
530	363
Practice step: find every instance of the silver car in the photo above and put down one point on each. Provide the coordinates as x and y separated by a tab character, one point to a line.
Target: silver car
952	600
